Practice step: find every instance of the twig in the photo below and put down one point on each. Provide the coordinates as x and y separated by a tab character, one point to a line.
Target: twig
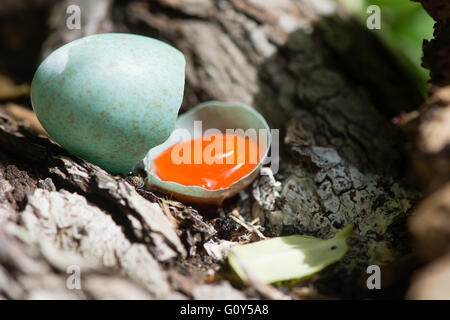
248	226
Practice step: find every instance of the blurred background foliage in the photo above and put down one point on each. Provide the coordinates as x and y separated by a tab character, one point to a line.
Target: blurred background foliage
404	26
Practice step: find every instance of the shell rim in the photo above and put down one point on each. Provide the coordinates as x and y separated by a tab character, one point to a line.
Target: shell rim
215	193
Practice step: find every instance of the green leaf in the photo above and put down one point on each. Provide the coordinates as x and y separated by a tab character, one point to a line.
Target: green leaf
404	26
287	258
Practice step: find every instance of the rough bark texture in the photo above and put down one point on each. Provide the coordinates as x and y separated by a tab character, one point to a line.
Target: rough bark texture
429	146
325	82
437	51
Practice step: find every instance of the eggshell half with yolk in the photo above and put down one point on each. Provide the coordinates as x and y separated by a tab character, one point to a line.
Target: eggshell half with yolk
215	117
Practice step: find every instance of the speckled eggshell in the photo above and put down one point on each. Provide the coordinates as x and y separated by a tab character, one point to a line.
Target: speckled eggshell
110	97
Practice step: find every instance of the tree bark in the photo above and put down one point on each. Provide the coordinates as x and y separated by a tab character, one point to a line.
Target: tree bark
314	73
429	145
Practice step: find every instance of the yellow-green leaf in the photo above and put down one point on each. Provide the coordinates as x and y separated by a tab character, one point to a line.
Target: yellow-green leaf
287	258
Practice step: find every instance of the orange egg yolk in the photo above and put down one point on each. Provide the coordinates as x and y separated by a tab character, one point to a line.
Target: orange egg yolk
211	162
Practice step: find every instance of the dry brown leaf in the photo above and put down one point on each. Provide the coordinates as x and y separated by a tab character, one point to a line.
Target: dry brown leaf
9	90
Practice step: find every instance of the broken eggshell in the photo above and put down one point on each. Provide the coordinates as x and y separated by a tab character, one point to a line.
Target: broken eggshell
108	98
213	115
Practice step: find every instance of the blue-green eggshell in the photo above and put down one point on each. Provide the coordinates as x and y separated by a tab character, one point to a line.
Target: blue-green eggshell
109	98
